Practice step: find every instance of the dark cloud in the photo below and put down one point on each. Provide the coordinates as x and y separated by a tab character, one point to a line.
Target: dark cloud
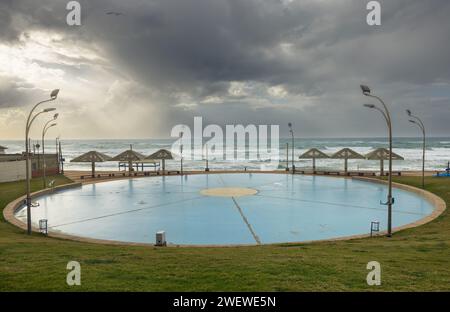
15	92
7	30
186	52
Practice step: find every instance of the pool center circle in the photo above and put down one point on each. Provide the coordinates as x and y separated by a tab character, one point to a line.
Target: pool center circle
224	209
229	192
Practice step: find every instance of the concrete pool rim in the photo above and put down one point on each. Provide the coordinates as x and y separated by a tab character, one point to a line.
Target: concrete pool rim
437	202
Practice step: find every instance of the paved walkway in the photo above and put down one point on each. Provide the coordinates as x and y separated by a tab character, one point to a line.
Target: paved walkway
76	176
120	175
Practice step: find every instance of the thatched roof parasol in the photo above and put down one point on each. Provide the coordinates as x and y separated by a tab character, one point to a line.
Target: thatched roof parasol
346	154
382	154
92	157
163	155
129	156
313	154
160	155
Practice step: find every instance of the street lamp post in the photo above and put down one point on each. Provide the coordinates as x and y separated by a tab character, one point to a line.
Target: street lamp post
292	148
30	120
385	112
38	146
44	131
417	121
287	157
57	154
181	152
207	161
61	159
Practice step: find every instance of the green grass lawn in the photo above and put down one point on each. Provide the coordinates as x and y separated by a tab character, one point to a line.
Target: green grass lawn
413	260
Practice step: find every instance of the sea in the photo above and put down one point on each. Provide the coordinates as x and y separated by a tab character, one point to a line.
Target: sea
437	153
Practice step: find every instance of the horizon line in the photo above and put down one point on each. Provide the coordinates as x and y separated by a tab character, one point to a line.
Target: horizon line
287	137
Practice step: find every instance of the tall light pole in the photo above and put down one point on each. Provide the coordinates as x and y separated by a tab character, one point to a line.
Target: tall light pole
292	148
30	120
287	156
61	159
56	152
181	151
207	162
44	131
38	146
417	121
385	112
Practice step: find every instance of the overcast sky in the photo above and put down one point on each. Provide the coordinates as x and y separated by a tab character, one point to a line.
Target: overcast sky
163	62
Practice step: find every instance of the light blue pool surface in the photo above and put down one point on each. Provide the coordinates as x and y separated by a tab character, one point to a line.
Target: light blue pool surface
286	208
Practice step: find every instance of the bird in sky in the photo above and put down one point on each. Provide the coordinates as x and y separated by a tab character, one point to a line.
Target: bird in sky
114	13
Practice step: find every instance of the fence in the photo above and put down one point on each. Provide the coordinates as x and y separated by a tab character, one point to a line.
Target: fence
12	171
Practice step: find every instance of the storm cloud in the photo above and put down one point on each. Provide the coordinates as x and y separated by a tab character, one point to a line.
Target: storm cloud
250	61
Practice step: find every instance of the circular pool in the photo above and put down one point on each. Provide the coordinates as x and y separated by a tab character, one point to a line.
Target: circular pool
225	209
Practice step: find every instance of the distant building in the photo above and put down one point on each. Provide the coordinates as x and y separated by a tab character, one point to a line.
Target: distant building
51	165
2	149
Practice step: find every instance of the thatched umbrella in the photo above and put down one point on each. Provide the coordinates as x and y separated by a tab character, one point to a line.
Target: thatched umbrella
163	155
314	154
346	154
129	156
92	157
382	154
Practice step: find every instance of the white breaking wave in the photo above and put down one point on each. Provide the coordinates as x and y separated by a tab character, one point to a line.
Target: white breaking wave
437	154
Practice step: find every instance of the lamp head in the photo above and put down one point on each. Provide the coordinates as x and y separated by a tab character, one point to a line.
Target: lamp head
49	110
369	105
290	125
365	89
53	124
412	121
56	116
408	112
54	94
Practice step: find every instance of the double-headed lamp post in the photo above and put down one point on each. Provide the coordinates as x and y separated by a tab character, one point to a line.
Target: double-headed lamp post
293	147
30	120
385	112
44	131
417	121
